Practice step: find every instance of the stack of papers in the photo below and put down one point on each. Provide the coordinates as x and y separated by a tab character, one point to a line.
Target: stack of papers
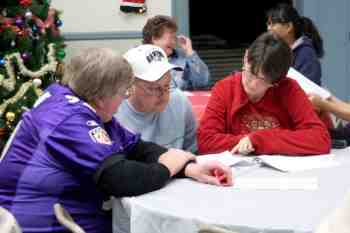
279	162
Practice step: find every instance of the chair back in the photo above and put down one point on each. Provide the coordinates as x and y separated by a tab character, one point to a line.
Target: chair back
66	219
8	223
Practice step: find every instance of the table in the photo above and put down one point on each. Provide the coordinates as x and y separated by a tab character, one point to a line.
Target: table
199	100
183	204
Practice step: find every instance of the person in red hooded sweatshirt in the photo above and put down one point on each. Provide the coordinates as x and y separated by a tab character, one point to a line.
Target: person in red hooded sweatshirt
260	110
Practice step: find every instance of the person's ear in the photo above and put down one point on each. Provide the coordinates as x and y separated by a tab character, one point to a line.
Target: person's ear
290	27
98	104
154	39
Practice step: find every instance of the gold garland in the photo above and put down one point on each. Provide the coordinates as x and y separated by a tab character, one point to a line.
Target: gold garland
24	88
10	83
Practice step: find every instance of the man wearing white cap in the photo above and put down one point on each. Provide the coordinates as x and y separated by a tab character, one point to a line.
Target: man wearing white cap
158	111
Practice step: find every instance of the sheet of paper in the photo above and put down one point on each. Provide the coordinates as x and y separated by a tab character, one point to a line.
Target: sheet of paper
276	183
225	157
299	163
307	85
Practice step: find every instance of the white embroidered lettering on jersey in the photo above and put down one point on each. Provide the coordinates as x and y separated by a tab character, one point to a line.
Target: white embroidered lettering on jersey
92	123
42	98
99	135
72	99
89	106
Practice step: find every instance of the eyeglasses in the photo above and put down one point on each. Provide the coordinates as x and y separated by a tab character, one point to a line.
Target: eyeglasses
251	76
157	90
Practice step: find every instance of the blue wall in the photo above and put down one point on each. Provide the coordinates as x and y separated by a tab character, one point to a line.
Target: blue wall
180	10
333	20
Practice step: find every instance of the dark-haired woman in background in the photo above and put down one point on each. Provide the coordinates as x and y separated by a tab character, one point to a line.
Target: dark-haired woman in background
302	36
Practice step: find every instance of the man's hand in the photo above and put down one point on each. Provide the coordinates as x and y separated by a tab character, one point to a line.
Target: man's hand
175	159
211	172
186	44
244	146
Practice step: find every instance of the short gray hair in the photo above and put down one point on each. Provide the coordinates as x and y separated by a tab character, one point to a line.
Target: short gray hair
97	73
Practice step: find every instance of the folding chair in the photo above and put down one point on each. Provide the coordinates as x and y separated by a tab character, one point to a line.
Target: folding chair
213	229
66	219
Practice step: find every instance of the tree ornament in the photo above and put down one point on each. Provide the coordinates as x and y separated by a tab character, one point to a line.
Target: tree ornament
13	44
28	15
10	116
133	6
19	22
61	54
35	29
25	56
37	82
58	23
25	3
2	62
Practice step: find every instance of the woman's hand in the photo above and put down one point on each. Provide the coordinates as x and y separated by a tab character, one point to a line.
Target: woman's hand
175	159
211	172
186	44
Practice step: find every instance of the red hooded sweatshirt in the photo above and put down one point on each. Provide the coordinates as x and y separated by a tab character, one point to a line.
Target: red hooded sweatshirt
282	122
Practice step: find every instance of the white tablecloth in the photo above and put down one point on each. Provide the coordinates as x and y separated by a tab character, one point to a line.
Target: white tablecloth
184	204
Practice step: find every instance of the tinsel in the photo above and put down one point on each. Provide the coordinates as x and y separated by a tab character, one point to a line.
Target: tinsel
10	83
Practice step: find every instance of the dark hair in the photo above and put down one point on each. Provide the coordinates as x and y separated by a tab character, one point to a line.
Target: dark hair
270	55
286	13
155	27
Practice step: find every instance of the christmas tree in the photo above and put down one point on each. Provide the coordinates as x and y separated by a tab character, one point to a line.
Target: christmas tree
31	54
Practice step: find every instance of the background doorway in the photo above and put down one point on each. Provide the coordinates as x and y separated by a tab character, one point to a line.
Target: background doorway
234	25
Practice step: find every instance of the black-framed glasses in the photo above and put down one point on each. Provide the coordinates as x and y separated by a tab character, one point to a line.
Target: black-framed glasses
157	90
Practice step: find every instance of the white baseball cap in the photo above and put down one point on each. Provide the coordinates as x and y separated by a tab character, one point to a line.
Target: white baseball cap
149	62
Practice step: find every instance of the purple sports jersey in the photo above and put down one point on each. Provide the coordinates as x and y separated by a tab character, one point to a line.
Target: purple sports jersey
52	159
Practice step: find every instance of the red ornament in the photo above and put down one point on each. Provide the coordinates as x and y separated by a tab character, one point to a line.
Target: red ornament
25	3
15	29
8	22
